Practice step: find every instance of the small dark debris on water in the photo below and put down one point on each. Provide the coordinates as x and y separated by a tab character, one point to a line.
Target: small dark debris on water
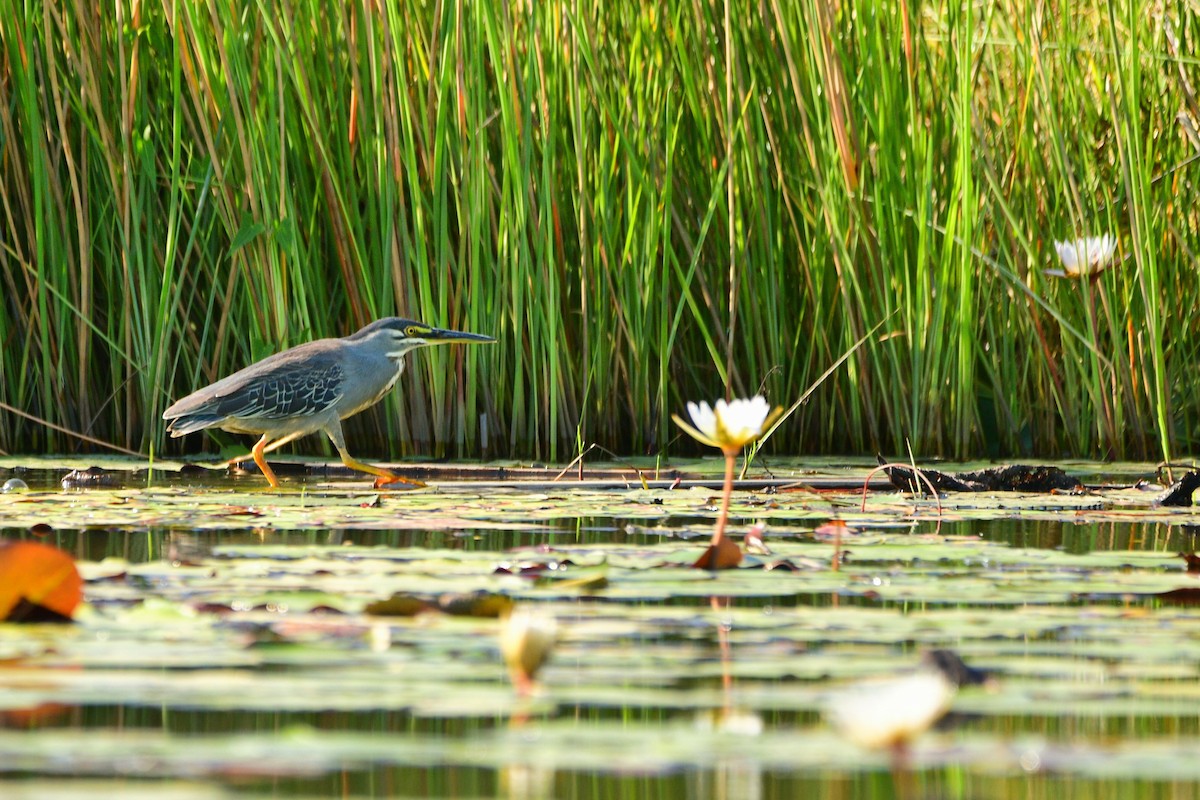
1004	478
1193	562
1179	494
29	612
91	478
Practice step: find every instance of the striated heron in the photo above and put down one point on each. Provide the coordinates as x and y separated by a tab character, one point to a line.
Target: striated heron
310	388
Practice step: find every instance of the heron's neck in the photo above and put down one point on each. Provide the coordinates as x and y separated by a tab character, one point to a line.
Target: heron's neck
398	363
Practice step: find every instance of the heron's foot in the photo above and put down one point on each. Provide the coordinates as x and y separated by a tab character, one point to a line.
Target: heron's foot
383	477
384	481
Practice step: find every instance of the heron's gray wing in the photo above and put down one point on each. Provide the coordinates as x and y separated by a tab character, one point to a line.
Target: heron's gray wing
287	391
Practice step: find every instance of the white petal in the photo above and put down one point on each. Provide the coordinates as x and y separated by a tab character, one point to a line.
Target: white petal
1066	254
1087	255
742	420
703	418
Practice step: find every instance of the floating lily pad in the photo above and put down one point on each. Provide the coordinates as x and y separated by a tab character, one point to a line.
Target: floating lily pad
249	613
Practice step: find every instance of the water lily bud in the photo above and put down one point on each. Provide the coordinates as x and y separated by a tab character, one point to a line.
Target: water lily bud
527	638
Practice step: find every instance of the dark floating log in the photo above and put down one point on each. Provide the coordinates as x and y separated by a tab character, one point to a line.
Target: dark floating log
92	478
904	479
1180	492
1021	478
1005	478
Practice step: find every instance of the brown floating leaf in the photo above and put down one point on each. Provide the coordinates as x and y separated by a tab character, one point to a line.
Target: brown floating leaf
38	583
475	604
725	554
398	605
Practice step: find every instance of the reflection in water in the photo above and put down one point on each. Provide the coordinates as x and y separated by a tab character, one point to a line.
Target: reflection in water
157	543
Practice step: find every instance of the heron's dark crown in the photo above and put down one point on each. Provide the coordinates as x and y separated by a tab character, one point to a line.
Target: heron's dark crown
405	327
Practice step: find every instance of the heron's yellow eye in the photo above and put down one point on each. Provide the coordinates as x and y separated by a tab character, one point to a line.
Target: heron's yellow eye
411	330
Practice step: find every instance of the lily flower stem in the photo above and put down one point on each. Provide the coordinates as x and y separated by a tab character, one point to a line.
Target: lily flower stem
726	495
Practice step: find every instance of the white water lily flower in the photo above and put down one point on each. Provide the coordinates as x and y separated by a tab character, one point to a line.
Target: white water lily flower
731	425
1087	256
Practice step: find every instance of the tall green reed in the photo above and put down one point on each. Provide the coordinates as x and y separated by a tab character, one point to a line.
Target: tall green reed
644	203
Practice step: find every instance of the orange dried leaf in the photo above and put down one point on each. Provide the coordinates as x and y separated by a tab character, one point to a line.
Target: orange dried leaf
37	574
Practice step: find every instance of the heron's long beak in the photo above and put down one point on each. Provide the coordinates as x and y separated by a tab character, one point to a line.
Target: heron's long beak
443	336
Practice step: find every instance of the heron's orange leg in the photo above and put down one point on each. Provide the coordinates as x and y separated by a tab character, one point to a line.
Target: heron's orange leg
278	443
385	476
275	445
261	460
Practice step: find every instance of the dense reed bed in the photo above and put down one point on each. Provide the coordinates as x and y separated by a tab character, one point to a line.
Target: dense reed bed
645	203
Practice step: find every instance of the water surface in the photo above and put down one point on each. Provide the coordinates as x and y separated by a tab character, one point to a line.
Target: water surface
225	649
